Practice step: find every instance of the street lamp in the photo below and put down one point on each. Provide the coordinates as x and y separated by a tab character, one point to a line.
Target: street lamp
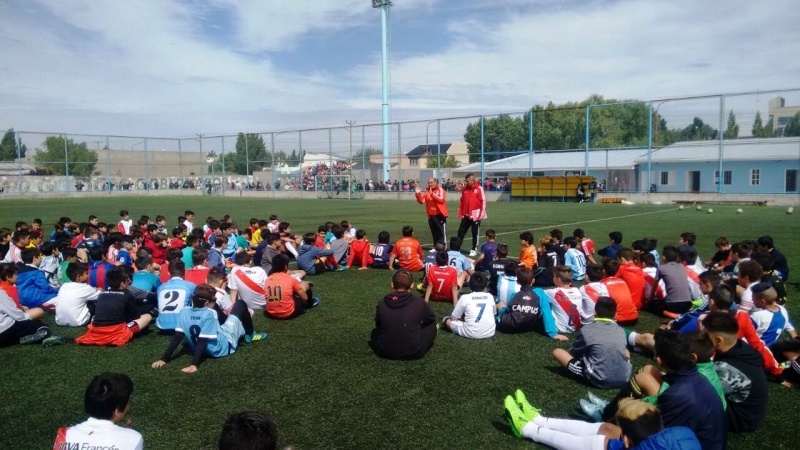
384	6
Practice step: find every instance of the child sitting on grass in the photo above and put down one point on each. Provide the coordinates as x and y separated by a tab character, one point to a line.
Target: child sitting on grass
599	355
76	300
359	251
529	310
473	315
208	331
34	290
382	251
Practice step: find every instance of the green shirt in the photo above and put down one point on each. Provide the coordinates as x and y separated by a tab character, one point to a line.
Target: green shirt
706	369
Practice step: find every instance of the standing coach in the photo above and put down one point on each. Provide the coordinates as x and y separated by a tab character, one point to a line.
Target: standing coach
434	198
471	210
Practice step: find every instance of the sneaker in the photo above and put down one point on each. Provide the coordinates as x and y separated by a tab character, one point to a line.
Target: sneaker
35	338
342	268
473	253
592	411
516	418
314	302
57	340
433	250
420	287
255	337
601	402
526	408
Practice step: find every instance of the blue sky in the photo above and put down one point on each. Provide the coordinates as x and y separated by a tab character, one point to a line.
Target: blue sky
179	67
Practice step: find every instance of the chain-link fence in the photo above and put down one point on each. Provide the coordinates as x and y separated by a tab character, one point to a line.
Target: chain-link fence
729	144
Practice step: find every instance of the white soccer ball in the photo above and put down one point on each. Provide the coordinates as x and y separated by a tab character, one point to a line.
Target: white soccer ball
680	207
710	211
699	208
739	211
789	210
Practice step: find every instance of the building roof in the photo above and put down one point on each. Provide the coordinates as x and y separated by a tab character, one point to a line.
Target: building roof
733	150
561	160
430	149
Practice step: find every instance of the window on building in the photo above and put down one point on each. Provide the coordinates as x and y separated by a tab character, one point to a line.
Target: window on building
755	177
727	177
664	178
413	161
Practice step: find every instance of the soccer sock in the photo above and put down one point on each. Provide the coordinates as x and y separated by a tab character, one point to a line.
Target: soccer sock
573	427
632	339
289	246
563	440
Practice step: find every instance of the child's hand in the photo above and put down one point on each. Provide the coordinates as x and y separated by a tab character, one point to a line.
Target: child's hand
189	369
158	364
787	384
363	268
560	337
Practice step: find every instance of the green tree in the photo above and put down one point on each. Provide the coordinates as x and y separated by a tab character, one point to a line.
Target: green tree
698	131
448	162
250	155
81	159
758	127
8	147
365	152
793	127
732	131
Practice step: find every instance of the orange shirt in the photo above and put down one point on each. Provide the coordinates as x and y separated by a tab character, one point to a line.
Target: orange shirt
527	257
633	276
280	289
618	290
408	251
12	292
359	254
197	274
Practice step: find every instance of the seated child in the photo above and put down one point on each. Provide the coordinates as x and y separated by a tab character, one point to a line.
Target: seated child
594	289
750	274
18	326
34	290
52	259
649	265
76	300
611	250
208	332
248	430
632	275
173	296
473	315
381	253
566	302
106	402
507	286
246	282
8	280
528	310
456	259
287	297
145	278
574	259
199	271
677	293
497	267
443	281
627	314
340	246
488	252
308	255
527	252
770	318
405	326
407	251
585	245
359	251
599	355
217	279
117	315
548	259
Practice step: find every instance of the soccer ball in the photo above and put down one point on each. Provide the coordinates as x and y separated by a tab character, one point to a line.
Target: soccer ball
789	210
680	207
739	211
710	211
699	208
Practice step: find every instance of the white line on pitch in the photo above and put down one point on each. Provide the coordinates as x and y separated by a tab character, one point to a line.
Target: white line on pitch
589	221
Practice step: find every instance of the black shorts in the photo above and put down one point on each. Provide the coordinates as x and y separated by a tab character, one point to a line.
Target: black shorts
577	368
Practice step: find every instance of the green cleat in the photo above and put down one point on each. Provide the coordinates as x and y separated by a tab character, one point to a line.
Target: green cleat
526	408
516	418
255	337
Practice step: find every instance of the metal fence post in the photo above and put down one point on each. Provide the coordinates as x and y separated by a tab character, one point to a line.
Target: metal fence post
108	165
247	160
66	163
530	144
438	150
720	177
180	166
586	157
399	157
363	164
146	168
223	182
19	159
649	147
483	149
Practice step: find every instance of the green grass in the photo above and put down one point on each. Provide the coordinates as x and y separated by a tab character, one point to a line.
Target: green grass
316	377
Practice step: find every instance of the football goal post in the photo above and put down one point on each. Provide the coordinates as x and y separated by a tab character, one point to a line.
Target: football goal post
334	186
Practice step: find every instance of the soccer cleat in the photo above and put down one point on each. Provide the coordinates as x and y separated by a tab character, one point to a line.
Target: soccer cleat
56	340
526	408
314	302
516	418
420	287
473	253
40	335
594	412
601	402
255	337
342	268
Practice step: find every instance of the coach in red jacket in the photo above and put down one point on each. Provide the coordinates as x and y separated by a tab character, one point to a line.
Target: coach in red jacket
471	211
435	200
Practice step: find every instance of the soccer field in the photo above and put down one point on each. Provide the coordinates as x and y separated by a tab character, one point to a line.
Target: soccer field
315	375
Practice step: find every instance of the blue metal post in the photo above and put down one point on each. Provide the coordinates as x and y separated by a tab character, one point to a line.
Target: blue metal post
19	158
330	160
483	164
649	146
147	167
530	144
721	178
223	183
108	165
385	85
363	161
586	157
66	162
438	150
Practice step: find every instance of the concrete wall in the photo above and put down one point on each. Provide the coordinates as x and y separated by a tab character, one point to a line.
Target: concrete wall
772	176
670	198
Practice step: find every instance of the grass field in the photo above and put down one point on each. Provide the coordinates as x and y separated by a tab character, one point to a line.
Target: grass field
316	377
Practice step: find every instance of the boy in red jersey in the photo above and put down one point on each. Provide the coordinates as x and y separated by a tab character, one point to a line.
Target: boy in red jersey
442	281
359	251
627	314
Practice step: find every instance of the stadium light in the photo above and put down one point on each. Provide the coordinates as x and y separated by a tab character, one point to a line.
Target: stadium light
384	6
379	3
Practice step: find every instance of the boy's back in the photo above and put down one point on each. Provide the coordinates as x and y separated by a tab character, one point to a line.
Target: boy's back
618	290
173	296
496	268
459	261
577	262
98	433
409	253
72	308
507	288
745	385
478	311
442	279
676	284
771	324
115	308
602	346
381	255
489	250
566	305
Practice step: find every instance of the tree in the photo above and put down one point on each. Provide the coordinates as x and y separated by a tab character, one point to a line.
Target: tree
250	155
80	159
793	127
448	162
758	127
8	147
732	131
698	131
365	152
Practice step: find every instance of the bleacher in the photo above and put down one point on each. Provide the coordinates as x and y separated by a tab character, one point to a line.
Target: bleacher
558	189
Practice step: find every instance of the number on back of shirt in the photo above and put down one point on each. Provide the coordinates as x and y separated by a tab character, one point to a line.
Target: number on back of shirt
274	293
170	301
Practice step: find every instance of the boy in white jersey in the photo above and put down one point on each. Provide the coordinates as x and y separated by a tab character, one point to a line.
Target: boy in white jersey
566	302
507	286
473	316
650	268
107	401
594	289
246	283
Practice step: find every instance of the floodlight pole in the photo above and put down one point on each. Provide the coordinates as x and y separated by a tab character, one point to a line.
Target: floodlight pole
384	5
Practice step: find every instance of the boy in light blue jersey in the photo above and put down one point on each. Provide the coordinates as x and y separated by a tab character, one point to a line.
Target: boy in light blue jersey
206	332
575	259
507	286
173	296
457	259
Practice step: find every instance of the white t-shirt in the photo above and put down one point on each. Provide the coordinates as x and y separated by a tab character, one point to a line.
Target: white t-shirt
14	255
746	304
72	301
249	283
223	300
507	288
473	316
564	303
98	434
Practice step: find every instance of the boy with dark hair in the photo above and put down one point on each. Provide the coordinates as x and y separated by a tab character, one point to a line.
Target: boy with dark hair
359	251
739	366
19	240
770	275
340	246
34	290
750	274
188	220
173	296
125	223
632	275
217	279
566	302
199	271
407	251
723	255
248	431
507	286
117	317
52	259
558	245
594	289
488	252
308	256
22	327
529	310
443	281
497	267
527	252
678	295
173	254
146	276
206	332
585	245
405	326
616	243
547	259
780	264
686	244
107	401
771	319
215	257
599	355
473	315
574	259
76	300
627	314
192	243
381	253
287	297
246	282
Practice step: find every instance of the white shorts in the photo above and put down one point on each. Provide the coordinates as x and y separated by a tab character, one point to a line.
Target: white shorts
460	328
233	330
